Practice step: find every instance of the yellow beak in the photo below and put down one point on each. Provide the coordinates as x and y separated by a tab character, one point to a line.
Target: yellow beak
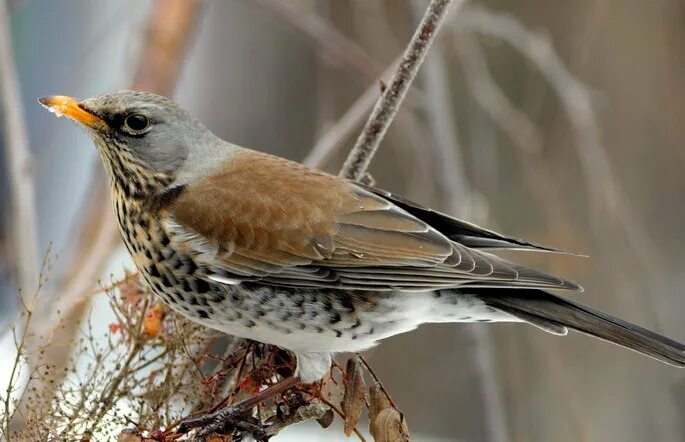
69	107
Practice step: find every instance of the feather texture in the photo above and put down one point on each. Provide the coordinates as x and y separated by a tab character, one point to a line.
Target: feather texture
264	218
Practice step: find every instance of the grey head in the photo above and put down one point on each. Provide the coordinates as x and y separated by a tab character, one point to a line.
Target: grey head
143	133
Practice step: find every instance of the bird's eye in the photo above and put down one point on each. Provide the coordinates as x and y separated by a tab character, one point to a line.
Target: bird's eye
137	122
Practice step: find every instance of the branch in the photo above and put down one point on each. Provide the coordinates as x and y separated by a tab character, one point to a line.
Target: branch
343	128
330	42
513	122
456	195
604	191
23	227
384	112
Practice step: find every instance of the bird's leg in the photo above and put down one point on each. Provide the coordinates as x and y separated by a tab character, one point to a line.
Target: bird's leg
237	415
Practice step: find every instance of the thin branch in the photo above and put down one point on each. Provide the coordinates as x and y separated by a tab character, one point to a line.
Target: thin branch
456	195
604	191
330	42
339	132
378	381
24	226
511	120
357	163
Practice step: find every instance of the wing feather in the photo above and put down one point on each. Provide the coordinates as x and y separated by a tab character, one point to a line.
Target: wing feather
266	219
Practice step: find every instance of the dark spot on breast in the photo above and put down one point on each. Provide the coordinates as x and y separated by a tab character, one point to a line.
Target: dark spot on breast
154	271
164	240
250	324
203	314
338	333
148	253
201	286
346	303
284	315
218	297
165	198
186	286
335	318
166	282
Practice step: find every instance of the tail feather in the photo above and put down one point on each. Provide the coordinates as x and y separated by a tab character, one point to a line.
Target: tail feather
553	314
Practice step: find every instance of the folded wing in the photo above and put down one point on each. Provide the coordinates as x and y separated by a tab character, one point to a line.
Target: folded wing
263	218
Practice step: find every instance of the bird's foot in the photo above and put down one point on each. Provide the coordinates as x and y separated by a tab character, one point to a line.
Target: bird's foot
224	420
237	416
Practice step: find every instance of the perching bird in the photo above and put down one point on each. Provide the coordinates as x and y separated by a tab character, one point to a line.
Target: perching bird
268	249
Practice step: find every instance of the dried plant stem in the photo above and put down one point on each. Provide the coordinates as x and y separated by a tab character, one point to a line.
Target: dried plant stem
511	120
605	194
22	346
170	29
24	227
357	162
339	412
378	381
455	193
332	43
339	132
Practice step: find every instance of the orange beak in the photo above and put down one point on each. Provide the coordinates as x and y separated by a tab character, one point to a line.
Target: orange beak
69	107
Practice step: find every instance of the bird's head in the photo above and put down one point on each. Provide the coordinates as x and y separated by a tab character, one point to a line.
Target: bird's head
139	135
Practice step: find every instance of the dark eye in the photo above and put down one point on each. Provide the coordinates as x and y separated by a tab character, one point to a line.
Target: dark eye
137	122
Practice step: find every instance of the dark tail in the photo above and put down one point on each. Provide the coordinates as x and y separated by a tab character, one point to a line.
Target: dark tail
554	314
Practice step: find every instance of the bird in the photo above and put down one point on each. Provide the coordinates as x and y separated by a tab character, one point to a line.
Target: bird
268	249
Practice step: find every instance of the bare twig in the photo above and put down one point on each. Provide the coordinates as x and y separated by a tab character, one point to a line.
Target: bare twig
23	208
608	204
305	412
377	380
333	44
339	412
339	132
605	194
384	112
170	28
456	196
490	97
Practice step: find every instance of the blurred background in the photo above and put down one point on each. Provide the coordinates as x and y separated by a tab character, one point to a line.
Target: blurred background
555	121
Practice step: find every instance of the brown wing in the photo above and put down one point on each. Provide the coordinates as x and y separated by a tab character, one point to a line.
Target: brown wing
265	218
